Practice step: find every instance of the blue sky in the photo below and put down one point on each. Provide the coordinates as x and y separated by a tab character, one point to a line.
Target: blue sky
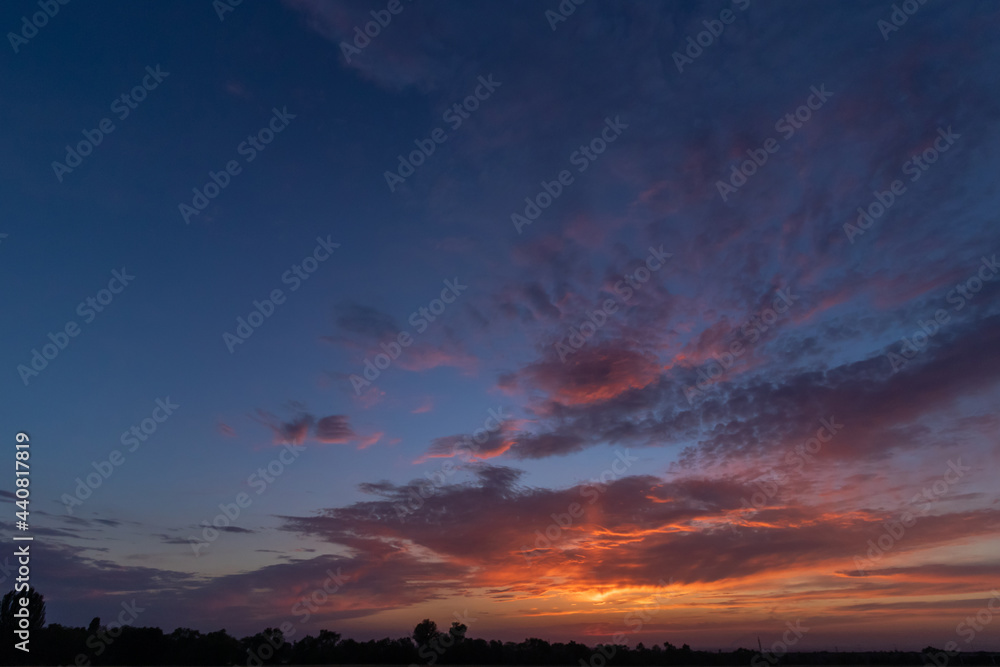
633	385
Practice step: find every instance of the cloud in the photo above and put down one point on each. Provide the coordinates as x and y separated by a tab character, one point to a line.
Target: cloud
628	531
329	430
592	374
493	443
334	429
426	405
426	356
530	446
370	440
295	431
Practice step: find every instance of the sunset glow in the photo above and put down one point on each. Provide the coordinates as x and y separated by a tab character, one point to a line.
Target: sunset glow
561	326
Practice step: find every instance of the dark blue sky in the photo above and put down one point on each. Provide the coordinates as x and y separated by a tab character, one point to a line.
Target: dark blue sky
629	252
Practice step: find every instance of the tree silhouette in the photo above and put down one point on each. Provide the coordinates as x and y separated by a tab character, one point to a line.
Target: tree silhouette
458	630
12	603
328	638
63	645
425	631
316	650
268	647
9	623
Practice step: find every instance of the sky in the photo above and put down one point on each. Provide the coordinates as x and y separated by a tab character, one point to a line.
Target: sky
677	320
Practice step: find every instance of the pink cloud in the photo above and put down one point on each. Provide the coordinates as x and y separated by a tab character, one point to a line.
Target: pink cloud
425	357
425	406
369	440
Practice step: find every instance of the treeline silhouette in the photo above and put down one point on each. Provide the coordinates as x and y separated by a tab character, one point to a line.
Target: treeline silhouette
115	644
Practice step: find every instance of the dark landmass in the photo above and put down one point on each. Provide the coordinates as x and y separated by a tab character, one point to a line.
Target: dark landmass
117	644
